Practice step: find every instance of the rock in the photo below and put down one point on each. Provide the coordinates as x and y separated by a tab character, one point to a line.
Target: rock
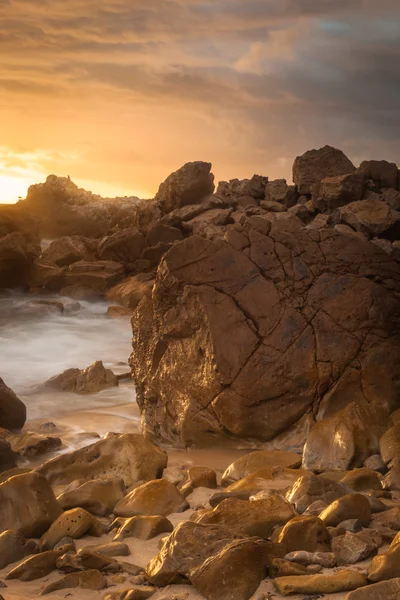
158	497
351	506
35	567
137	593
375	463
30	444
14	546
362	480
91	380
371	217
12	409
130	291
86	580
109	549
128	456
257	518
189	185
315	508
392	480
382	173
386	590
305	533
187	548
236	571
119	312
7	456
333	192
346	439
28	505
391	197
309	489
18	252
320	584
238	188
45	274
12	472
276	479
315	165
162	233
385	566
388	519
197	477
324	559
274	207
67	250
123	247
390	444
350	549
81	292
279	567
144	527
279	191
73	523
249	463
99	276
85	560
220	351
98	496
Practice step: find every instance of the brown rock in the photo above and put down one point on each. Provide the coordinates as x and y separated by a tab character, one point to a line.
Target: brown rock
28	443
128	456
84	381
123	247
14	546
385	566
324	559
157	497
189	185
73	523
390	444
110	549
371	217
119	312
386	590
67	250
197	477
388	519
320	584
12	409
222	351
144	527
130	291
391	481
315	165
85	560
382	173
350	549
18	251
309	489
236	571
351	506
276	479
279	567
261	459
45	274
28	505
279	191
162	233
345	439
362	480
333	192
375	463
35	567
258	517
137	593
305	533
99	276
86	580
7	456
98	497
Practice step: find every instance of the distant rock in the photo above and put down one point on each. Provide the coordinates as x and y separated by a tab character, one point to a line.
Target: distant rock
189	185
70	249
315	165
124	246
99	275
91	380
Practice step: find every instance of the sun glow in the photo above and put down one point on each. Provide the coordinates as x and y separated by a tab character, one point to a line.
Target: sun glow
14	187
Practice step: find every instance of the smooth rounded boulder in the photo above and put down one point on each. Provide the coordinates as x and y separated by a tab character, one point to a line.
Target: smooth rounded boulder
158	497
12	409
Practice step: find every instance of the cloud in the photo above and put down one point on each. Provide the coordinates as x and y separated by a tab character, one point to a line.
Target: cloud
247	85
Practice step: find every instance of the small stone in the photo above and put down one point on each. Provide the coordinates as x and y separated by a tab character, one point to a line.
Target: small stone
350	549
325	559
73	523
88	580
320	584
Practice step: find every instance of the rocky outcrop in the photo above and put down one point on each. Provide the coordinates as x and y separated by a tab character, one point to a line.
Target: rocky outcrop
189	185
98	276
124	246
246	342
91	380
315	165
12	409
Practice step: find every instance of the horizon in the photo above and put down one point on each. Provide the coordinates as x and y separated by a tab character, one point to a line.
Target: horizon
118	95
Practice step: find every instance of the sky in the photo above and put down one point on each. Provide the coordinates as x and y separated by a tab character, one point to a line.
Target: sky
120	93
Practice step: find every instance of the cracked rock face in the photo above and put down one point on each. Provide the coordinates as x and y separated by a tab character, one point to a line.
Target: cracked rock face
247	343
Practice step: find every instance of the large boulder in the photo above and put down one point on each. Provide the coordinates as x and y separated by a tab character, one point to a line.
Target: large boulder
28	505
333	192
128	456
70	249
315	165
372	218
245	343
381	172
12	409
189	185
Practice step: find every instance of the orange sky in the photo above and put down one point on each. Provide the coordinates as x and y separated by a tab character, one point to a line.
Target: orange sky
119	93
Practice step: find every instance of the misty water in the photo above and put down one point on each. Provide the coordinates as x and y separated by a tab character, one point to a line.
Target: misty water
37	343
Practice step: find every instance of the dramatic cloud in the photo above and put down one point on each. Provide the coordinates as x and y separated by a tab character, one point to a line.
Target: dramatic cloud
121	92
